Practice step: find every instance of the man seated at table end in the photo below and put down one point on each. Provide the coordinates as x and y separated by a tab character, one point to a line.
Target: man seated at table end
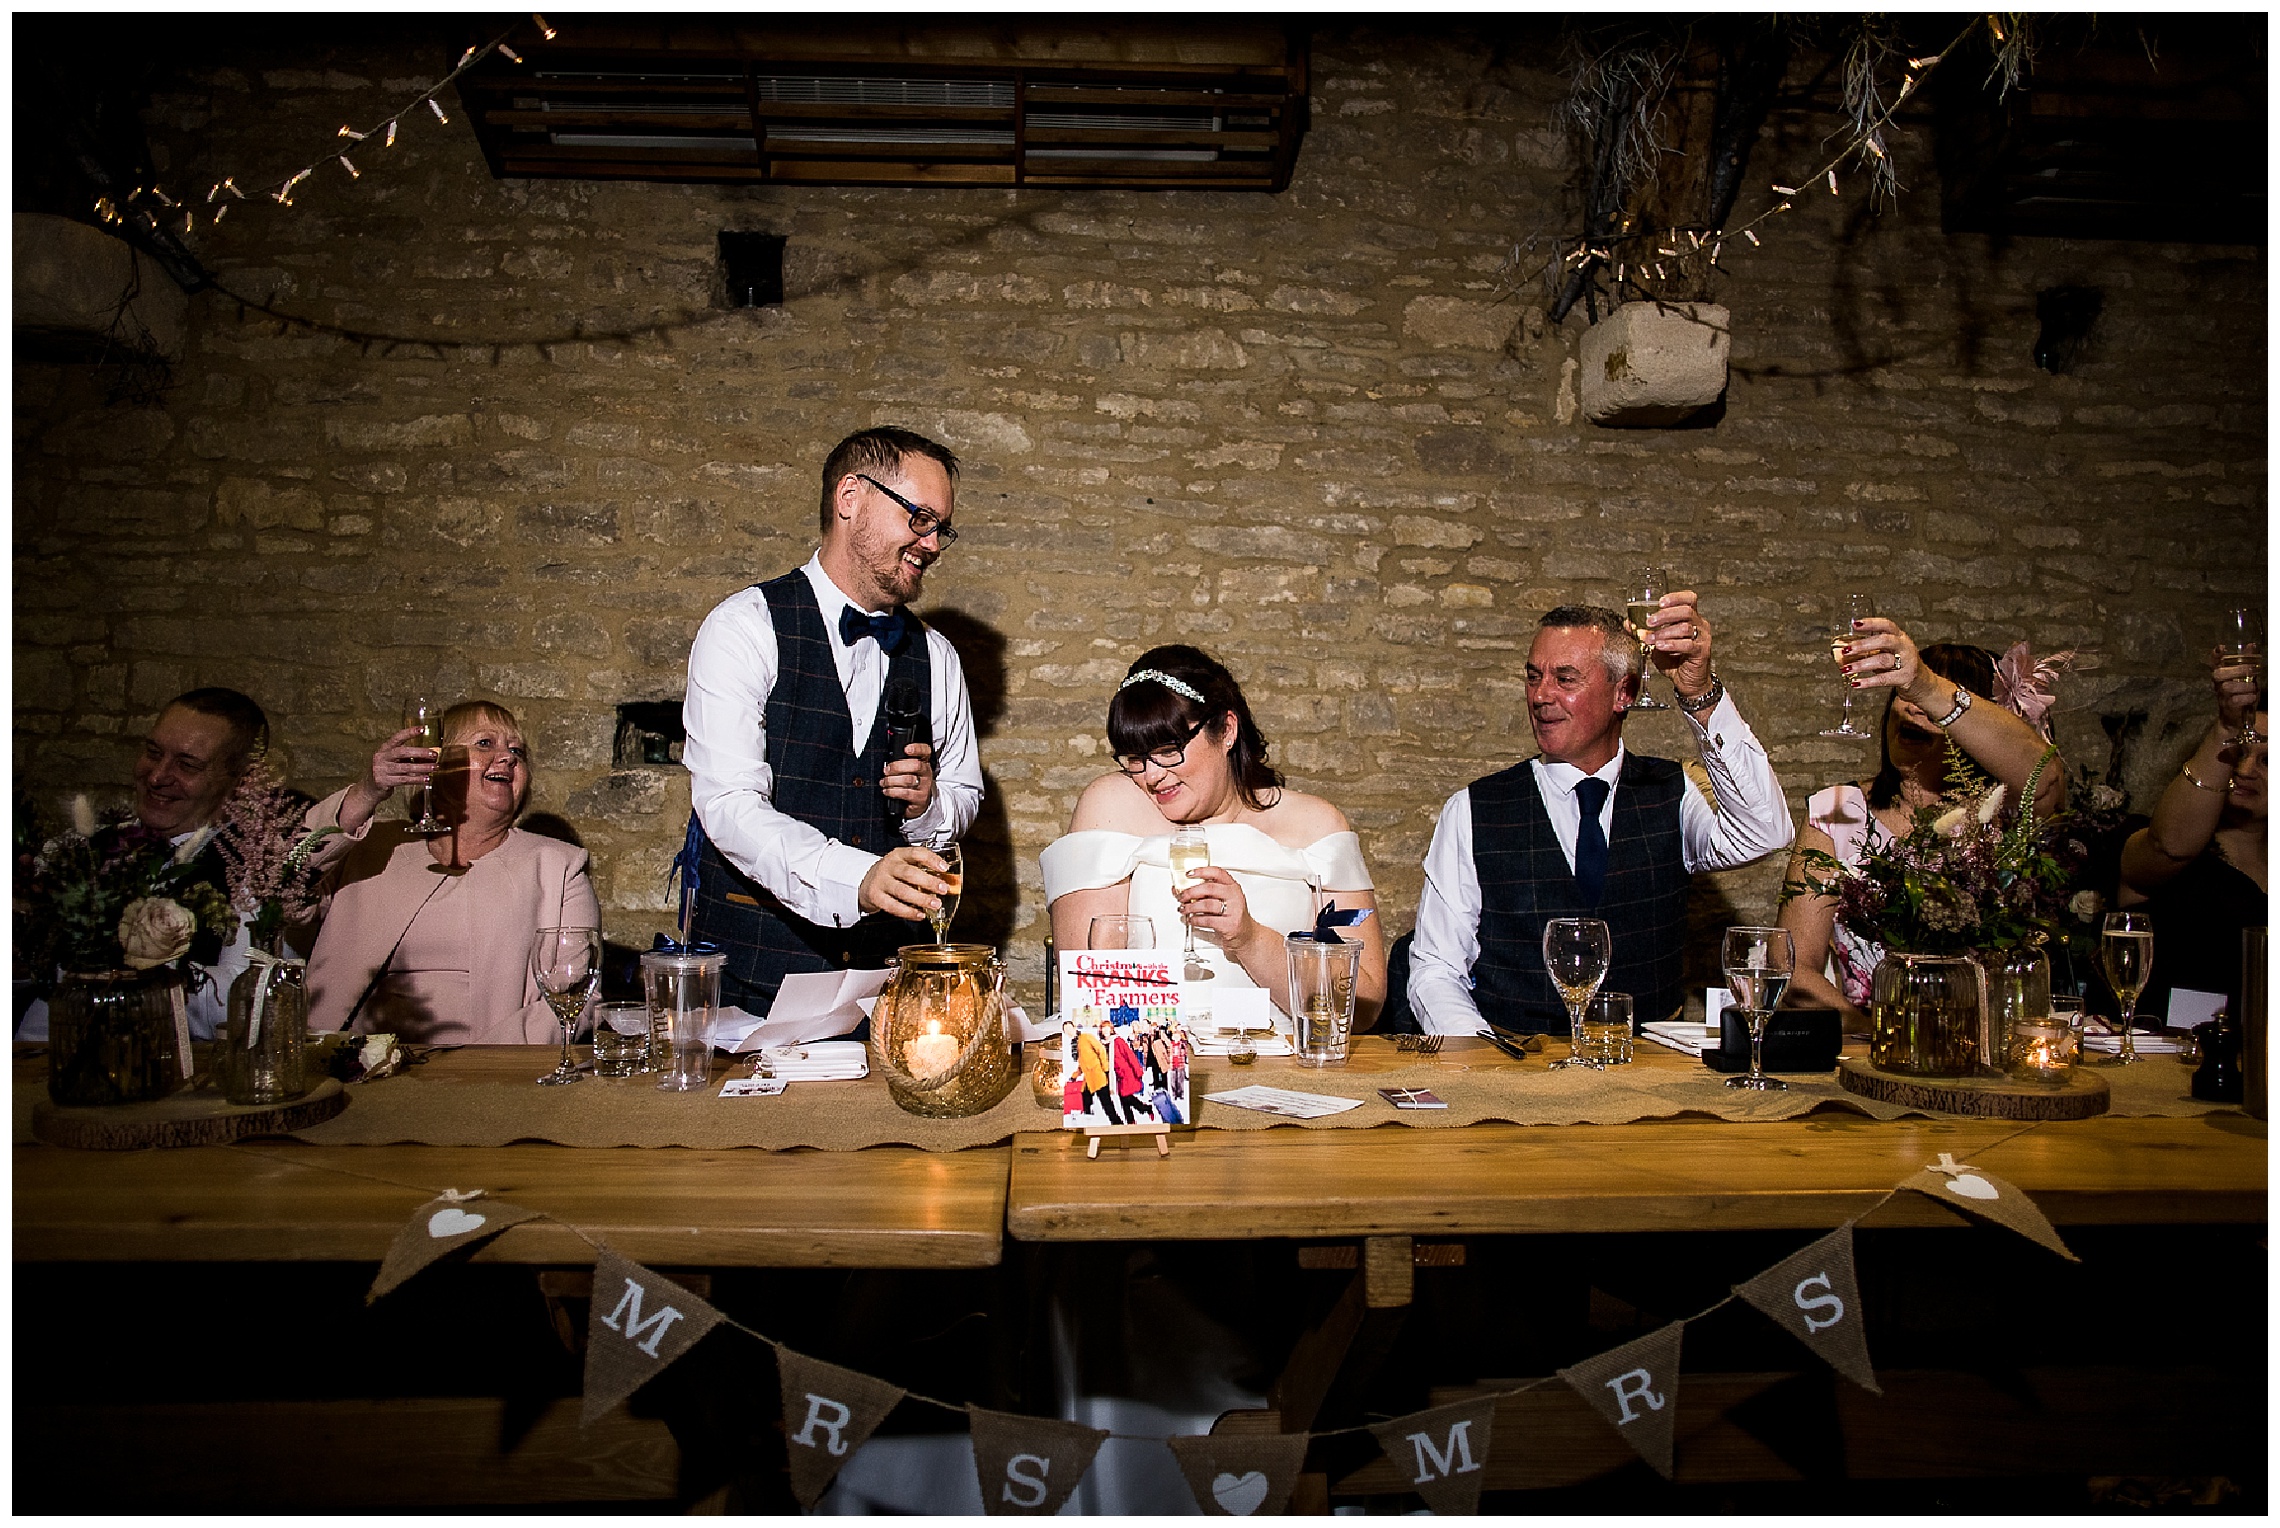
1589	829
192	758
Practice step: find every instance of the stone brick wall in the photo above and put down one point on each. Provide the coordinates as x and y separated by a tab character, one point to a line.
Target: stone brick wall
519	451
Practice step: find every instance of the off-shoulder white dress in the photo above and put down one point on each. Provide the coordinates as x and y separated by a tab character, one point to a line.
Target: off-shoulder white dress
1280	883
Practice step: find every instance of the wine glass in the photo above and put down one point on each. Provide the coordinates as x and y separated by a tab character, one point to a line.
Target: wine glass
1190	851
2126	950
1642	600
1759	962
1576	954
1120	931
2240	636
1850	610
567	965
427	716
953	871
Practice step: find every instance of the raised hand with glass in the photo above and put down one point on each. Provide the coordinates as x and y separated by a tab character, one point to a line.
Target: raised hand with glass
1759	963
1190	851
1640	602
2240	646
1849	611
567	965
1577	952
424	718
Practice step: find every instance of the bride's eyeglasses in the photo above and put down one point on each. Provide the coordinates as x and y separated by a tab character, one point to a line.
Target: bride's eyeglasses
1171	757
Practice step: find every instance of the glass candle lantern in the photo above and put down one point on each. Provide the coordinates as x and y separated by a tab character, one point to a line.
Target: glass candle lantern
939	1033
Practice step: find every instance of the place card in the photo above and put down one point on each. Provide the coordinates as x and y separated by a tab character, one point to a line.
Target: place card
2189	1009
1677	1034
753	1087
1285	1101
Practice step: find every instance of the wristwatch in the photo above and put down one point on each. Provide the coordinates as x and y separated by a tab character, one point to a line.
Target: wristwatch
1962	704
1706	699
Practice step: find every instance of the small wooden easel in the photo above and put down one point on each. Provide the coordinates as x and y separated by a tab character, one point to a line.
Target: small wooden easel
1161	1131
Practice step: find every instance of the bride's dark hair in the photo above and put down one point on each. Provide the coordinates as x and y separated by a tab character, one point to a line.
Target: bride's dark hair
1149	715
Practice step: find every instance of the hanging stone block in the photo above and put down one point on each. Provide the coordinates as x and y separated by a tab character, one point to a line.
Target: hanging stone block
1650	365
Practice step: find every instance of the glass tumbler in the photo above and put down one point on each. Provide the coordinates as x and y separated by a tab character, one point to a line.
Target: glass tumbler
1322	976
621	1039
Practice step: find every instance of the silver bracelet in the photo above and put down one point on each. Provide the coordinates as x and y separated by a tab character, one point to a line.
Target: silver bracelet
1707	699
1962	704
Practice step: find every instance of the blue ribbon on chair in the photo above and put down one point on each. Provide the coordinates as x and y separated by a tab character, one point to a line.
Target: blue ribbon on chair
684	872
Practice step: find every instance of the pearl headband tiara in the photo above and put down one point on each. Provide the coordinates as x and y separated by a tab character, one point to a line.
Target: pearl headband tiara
1176	686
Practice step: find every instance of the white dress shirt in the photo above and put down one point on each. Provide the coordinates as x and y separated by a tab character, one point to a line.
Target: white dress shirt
1750	821
732	669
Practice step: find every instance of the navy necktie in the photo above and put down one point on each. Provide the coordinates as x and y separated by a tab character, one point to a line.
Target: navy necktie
1590	840
887	630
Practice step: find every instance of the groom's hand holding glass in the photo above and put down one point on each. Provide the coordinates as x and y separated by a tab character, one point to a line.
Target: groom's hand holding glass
1678	643
907	883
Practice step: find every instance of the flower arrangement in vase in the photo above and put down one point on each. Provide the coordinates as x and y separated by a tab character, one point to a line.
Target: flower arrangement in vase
106	922
270	858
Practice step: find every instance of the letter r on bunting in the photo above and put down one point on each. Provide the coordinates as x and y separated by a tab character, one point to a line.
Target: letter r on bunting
1634	1385
835	1423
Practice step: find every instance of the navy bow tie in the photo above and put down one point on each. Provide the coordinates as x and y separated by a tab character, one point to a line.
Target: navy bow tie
887	630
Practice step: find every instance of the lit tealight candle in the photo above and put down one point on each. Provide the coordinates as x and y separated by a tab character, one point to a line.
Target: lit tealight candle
933	1053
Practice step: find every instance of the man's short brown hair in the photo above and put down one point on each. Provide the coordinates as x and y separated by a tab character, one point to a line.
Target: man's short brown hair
879	449
249	724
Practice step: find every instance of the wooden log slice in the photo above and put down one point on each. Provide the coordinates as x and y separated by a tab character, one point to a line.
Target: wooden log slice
2083	1094
182	1119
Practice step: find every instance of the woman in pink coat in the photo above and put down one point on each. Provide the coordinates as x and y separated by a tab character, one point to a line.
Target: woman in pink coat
429	938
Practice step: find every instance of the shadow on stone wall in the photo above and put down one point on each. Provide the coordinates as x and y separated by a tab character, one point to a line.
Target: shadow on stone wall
989	913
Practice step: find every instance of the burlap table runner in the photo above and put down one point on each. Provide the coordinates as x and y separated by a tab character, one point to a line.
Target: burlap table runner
427	1109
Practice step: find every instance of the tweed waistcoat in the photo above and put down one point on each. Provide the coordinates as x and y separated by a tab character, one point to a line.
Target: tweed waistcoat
1525	882
821	779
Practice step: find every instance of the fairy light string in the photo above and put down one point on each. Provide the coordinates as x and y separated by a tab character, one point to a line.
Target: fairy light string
1867	142
137	206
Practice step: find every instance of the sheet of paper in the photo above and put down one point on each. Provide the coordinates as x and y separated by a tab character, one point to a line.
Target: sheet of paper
1715	1001
2188	1008
815	1061
810	1005
1284	1101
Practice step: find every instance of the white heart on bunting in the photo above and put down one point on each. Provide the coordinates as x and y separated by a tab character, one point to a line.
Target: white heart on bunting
454	1222
1972	1186
1239	1495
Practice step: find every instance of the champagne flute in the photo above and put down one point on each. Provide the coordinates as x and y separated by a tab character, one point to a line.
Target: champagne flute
1576	954
567	965
2240	636
2126	950
1759	962
1640	603
1190	851
427	716
1120	931
954	871
1850	611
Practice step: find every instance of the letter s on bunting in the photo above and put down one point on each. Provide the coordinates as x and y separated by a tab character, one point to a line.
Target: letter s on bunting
1812	1295
1027	1466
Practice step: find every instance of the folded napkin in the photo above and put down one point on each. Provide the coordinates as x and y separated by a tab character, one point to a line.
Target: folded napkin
816	1061
1685	1038
2153	1044
1265	1042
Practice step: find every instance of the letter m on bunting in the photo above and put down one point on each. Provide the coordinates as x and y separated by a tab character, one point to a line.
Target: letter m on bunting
1442	1454
639	1325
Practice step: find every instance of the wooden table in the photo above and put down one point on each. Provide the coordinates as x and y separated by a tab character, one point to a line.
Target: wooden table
1655	1175
1384	1202
889	1207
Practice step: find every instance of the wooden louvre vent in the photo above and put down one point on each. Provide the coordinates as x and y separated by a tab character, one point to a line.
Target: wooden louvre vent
1163	106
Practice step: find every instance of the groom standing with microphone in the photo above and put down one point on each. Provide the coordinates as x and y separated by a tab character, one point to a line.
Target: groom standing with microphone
811	817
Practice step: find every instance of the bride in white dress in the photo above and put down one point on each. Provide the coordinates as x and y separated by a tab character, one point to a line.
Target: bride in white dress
1188	754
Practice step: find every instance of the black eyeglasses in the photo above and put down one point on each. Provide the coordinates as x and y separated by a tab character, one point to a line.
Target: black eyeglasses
1163	758
924	522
